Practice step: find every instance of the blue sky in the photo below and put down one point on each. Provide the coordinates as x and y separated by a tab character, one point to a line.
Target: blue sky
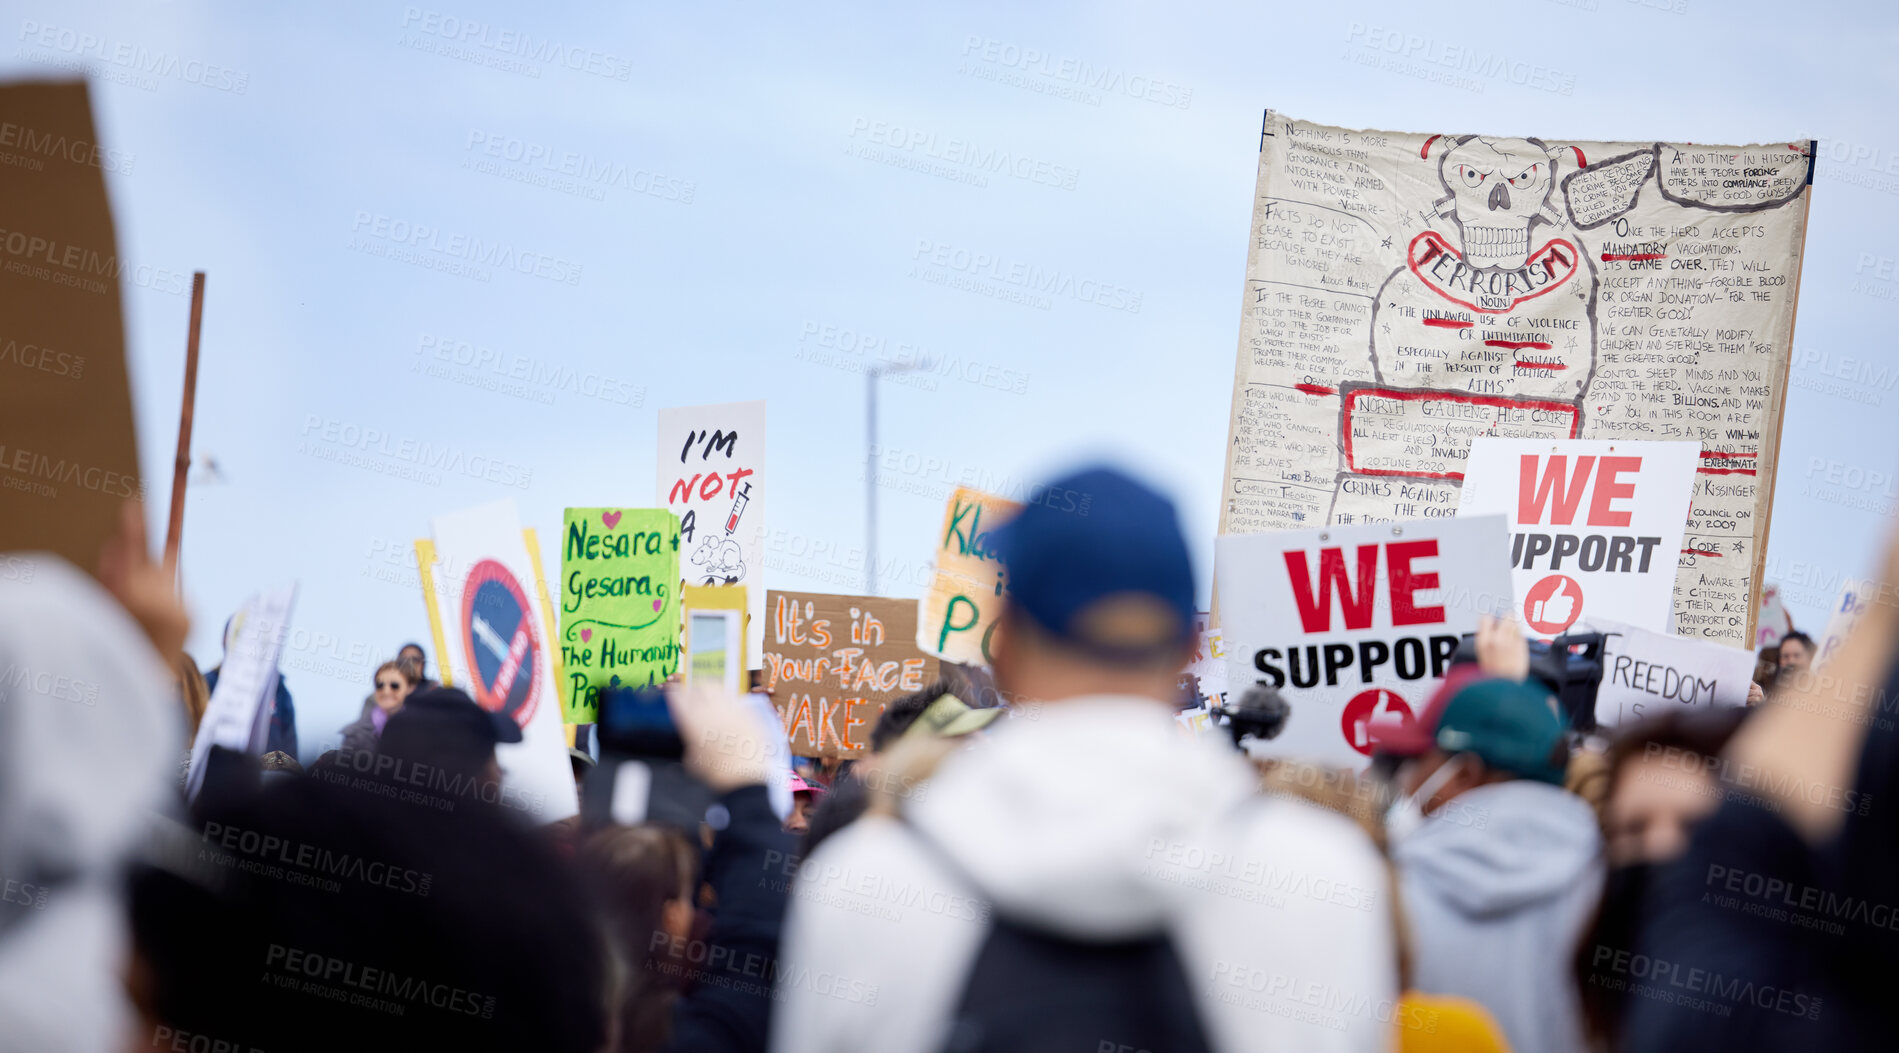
760	244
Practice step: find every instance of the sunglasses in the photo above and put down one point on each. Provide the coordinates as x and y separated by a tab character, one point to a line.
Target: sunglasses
393	685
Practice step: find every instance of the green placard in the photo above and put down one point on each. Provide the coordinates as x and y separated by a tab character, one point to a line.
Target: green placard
619	615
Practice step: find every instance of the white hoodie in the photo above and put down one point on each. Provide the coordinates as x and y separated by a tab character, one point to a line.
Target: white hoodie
89	741
1094	818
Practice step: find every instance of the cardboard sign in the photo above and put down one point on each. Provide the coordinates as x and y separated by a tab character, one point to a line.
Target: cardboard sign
1355	625
1596	526
966	596
238	715
1854	598
498	652
1409	291
711	475
619	619
1645	673
68	454
833	662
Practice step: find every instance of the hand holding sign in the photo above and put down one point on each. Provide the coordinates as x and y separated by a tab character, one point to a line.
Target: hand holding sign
726	747
1501	648
147	590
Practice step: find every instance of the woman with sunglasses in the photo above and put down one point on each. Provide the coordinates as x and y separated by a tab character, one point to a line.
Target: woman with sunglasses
394	682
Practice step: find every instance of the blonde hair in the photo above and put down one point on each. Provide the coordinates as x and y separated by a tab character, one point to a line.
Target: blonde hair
192	690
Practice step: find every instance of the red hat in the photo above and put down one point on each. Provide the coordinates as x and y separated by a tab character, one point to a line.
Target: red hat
1407	737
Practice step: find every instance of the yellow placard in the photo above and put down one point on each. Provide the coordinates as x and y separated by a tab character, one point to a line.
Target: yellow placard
425	570
714	598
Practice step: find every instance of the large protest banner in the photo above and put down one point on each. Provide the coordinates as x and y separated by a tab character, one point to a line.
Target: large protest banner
68	453
833	662
498	653
1354	625
619	624
1407	292
965	597
711	475
1595	525
1646	673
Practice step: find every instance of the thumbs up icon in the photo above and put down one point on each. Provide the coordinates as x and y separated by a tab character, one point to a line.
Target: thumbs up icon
1554	613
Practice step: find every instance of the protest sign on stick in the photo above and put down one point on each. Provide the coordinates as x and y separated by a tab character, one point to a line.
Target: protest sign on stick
619	624
1771	620
1645	673
1406	292
238	715
1856	595
68	453
1595	525
713	635
712	476
965	597
544	604
181	464
833	662
497	651
1355	625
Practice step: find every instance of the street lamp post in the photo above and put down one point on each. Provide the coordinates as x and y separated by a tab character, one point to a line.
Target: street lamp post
871	376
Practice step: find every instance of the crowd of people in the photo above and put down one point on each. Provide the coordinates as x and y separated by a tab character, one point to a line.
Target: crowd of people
1031	856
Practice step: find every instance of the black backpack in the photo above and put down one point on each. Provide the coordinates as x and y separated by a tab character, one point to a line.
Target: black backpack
1033	991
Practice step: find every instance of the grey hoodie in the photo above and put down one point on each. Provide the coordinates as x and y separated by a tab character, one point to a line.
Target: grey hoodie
1497	886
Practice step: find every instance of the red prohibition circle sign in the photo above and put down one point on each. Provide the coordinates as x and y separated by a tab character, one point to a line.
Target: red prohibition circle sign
504	652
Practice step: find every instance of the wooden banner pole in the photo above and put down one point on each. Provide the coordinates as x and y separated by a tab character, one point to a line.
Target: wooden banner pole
1769	478
175	533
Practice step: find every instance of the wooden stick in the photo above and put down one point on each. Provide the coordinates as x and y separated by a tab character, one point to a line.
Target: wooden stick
1768	478
175	534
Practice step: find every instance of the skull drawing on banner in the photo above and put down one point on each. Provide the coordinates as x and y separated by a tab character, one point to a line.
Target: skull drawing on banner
1498	189
1485	326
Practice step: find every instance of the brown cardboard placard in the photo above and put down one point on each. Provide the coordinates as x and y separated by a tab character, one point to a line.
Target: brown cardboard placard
68	449
833	662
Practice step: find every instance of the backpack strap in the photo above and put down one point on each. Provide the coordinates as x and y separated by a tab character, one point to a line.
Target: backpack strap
1032	989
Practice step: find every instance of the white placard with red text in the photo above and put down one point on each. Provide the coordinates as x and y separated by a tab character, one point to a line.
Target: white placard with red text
1595	526
499	654
1356	624
711	475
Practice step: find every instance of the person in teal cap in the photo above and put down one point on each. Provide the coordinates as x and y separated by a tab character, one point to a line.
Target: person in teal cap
1499	867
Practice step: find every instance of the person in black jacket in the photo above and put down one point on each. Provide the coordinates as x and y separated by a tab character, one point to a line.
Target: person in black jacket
310	915
683	985
1779	928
